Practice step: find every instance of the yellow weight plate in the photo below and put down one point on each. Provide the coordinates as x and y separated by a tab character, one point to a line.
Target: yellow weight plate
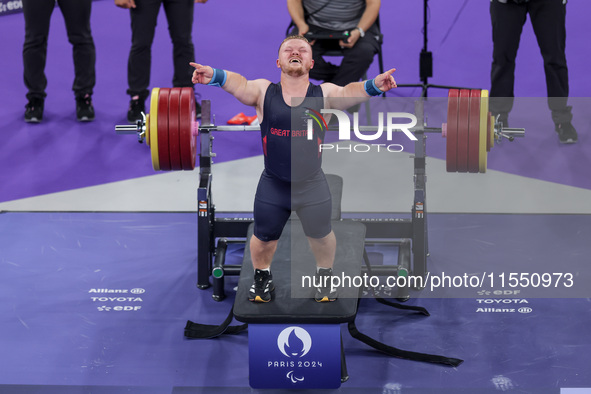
483	130
474	131
154	128
147	132
491	134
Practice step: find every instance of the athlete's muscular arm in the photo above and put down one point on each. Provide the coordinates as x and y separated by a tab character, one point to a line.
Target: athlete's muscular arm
248	92
355	93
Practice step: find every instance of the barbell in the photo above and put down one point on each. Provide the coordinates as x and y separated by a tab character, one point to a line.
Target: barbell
171	128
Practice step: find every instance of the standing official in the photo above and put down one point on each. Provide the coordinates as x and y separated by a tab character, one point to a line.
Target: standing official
548	18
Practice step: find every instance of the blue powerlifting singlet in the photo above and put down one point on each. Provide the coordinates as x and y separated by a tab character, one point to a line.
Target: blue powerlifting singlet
289	154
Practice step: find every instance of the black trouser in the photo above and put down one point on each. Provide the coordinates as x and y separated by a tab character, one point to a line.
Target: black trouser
355	63
179	14
548	21
77	17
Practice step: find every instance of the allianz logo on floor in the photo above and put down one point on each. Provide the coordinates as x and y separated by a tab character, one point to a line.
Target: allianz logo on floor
113	301
503	305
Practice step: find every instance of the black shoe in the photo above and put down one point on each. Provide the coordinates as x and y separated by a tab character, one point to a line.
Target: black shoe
84	109
136	107
34	110
566	133
323	283
261	289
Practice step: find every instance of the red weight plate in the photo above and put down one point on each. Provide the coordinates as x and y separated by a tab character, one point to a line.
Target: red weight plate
163	150
463	129
173	129
451	143
188	143
474	132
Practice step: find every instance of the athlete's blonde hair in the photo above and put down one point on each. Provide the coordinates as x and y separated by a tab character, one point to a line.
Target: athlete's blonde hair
294	37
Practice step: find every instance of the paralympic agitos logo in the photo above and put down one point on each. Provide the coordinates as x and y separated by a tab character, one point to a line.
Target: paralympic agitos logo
345	130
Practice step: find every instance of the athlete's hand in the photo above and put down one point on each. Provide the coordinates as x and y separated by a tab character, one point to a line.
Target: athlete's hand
202	74
385	81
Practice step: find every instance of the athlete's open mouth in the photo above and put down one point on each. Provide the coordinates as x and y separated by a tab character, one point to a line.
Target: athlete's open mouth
295	60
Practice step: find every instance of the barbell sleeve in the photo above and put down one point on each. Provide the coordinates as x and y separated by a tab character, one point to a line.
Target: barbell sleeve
127	129
513	132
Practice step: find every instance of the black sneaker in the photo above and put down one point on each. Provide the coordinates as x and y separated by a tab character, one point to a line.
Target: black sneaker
324	290
84	109
34	110
566	133
136	107
261	289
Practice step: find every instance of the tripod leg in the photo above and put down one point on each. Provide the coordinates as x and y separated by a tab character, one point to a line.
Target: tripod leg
344	373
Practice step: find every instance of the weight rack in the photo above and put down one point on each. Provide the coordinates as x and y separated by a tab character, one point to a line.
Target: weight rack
410	235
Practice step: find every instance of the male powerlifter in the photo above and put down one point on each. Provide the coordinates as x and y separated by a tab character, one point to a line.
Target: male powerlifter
292	179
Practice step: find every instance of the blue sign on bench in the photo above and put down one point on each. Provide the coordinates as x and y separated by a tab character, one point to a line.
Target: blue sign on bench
301	356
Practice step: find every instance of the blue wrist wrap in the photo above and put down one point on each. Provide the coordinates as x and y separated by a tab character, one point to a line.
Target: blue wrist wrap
219	78
371	88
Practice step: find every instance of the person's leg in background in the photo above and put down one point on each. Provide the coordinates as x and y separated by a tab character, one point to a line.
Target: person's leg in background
179	14
507	24
549	22
354	64
323	70
37	14
356	60
143	25
77	19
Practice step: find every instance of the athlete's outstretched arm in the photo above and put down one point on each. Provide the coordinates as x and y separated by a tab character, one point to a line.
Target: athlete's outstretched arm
358	92
248	92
